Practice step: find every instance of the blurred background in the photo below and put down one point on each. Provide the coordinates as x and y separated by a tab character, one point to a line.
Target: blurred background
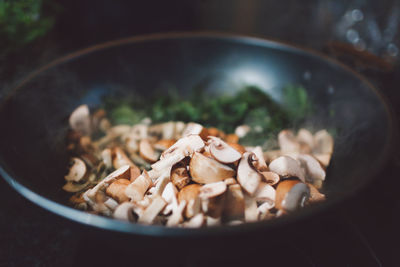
363	34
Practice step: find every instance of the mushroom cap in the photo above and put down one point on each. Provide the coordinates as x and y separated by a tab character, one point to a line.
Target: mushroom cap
205	170
247	175
222	152
147	152
212	190
189	192
286	166
80	121
291	195
77	170
270	177
259	161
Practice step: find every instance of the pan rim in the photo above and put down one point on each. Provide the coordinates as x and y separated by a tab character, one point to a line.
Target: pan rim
146	230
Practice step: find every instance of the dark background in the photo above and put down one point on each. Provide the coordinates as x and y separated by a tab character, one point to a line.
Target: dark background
363	232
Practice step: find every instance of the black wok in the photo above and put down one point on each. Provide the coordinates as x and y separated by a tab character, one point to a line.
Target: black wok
34	116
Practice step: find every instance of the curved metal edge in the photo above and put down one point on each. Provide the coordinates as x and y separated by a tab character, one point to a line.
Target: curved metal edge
110	224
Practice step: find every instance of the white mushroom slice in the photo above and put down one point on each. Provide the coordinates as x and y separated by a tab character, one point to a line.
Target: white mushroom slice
230	181
313	170
160	185
195	222
120	158
179	128
221	151
136	190
305	136
242	130
323	142
265	194
286	166
270	177
77	170
190	194
187	145
259	163
176	216
234	204
168	130
247	176
250	211
167	163
111	203
124	212
263	210
119	130
106	156
271	155
287	141
164	144
75	187
291	195
210	221
192	128
323	159
121	173
152	210
212	190
139	131
79	120
145	202
205	170
169	195
147	151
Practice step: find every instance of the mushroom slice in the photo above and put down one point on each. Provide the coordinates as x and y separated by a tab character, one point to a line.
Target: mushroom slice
259	161
265	194
151	212
121	173
136	190
164	144
286	166
304	136
169	195
120	158
210	221
147	151
139	131
195	129
124	212
79	120
187	144
242	130
106	156
75	187
212	190
238	147
270	177
116	190
111	203
234	204
190	194
323	142
315	195
195	222
168	130
323	159
223	152
179	175
247	176
291	195
313	170
230	181
287	141
176	216
205	170
160	185
77	170
250	211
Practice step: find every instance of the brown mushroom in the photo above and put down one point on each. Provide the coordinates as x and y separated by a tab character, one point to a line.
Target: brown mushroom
286	166
238	147
291	195
179	175
212	190
221	151
164	144
147	152
116	190
230	181
151	212
313	170
315	195
77	171
205	170
258	159
190	194
80	121
136	190
247	176
270	177
234	204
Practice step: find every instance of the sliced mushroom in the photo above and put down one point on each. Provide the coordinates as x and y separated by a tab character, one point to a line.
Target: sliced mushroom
238	147
106	156
250	211
176	216
164	144
187	144
287	141
168	130
169	195
120	130
120	158
247	176
230	181
222	152
195	222
265	194
232	138
136	190
195	129
111	203
179	175
151	212
259	161
139	131
210	221
147	151
291	195
214	206
242	130
124	212
323	159
212	190
234	204
190	194
304	136
270	177
264	211
323	142
116	190
79	120
131	145
159	187
205	170
315	195
313	170
286	166
77	171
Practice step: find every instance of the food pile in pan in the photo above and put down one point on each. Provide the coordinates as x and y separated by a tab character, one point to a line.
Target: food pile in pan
185	175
